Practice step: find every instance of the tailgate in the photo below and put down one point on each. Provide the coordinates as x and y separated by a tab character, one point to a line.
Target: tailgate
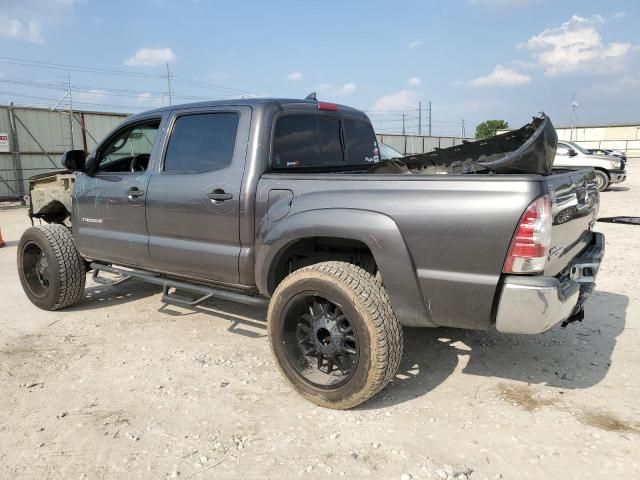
575	201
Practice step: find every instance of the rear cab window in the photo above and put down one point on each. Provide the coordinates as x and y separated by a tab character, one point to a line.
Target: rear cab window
303	141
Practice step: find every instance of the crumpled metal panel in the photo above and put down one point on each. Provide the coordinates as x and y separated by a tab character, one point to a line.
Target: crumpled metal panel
528	150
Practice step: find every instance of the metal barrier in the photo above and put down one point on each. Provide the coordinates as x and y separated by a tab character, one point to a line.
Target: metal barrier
33	139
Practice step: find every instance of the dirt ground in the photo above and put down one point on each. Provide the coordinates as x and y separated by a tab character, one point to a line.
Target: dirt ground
123	387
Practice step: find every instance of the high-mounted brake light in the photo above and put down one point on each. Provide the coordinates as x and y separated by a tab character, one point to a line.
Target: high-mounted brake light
332	107
531	242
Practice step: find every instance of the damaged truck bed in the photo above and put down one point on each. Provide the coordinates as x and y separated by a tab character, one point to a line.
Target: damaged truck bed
529	149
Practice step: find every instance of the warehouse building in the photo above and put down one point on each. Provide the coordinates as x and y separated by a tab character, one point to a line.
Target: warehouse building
625	137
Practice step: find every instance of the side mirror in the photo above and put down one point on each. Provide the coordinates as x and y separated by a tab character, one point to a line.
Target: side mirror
74	160
572	152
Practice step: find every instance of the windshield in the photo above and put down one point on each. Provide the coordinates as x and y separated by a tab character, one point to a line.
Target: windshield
387	152
577	147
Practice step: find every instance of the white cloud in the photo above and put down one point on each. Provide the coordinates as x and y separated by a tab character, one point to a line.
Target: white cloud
501	77
330	90
415	44
14	28
577	45
618	15
395	102
347	89
26	20
295	76
151	56
414	82
93	95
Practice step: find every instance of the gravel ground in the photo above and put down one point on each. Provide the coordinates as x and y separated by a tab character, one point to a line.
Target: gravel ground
121	386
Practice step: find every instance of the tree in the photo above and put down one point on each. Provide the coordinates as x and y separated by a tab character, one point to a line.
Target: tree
490	127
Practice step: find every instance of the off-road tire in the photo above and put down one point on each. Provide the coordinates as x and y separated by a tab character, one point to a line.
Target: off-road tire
67	269
379	331
602	179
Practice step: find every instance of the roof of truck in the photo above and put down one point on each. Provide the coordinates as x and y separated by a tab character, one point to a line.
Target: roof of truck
284	103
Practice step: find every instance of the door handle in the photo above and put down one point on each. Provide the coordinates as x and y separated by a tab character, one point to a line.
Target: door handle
219	195
134	192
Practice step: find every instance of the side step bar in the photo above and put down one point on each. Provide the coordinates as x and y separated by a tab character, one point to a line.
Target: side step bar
205	292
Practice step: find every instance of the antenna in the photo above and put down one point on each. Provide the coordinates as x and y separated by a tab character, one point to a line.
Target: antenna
312	96
574	116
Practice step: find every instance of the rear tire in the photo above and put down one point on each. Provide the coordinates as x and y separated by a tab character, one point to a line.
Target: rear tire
602	180
334	335
51	270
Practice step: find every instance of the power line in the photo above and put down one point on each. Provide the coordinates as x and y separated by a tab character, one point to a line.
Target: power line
108	71
76	68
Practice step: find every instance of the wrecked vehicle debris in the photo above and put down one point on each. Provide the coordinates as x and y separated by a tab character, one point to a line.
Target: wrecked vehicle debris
528	150
622	220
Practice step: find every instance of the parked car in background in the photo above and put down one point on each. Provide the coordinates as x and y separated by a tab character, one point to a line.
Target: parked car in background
607	151
609	169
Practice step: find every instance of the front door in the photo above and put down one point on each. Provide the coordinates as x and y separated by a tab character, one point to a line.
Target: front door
193	196
109	215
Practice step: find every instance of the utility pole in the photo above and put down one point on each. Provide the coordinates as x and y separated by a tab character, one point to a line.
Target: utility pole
574	116
403	131
419	118
462	129
70	110
169	82
429	117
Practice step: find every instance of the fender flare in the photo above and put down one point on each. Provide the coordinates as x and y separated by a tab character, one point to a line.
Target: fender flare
378	231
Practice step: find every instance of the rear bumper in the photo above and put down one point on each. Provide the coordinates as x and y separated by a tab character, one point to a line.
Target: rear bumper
617	176
534	304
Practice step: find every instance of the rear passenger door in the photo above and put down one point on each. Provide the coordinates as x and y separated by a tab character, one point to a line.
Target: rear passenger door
193	196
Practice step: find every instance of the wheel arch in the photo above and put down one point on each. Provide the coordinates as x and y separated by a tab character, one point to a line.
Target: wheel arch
603	170
375	231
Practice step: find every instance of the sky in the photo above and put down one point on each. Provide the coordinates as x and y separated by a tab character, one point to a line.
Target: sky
472	59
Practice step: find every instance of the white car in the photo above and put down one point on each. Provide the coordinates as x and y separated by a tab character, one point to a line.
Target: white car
609	169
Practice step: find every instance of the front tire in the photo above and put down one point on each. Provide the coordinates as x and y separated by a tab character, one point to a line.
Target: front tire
51	270
602	180
334	335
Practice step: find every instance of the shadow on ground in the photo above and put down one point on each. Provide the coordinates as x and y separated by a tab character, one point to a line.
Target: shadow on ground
575	357
244	320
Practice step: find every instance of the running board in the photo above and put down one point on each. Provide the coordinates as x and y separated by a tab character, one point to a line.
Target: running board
205	292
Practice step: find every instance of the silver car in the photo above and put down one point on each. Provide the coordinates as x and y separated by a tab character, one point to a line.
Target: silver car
609	169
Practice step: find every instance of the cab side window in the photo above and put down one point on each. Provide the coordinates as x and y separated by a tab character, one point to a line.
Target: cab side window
130	150
201	143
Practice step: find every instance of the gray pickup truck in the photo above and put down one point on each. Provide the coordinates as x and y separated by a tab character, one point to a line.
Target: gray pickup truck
286	203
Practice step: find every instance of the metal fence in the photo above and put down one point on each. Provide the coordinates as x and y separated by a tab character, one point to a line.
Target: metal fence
33	139
412	144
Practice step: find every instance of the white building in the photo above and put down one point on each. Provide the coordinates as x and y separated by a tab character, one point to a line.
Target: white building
624	137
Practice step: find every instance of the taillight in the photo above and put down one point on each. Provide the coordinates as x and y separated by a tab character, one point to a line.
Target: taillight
530	244
332	107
